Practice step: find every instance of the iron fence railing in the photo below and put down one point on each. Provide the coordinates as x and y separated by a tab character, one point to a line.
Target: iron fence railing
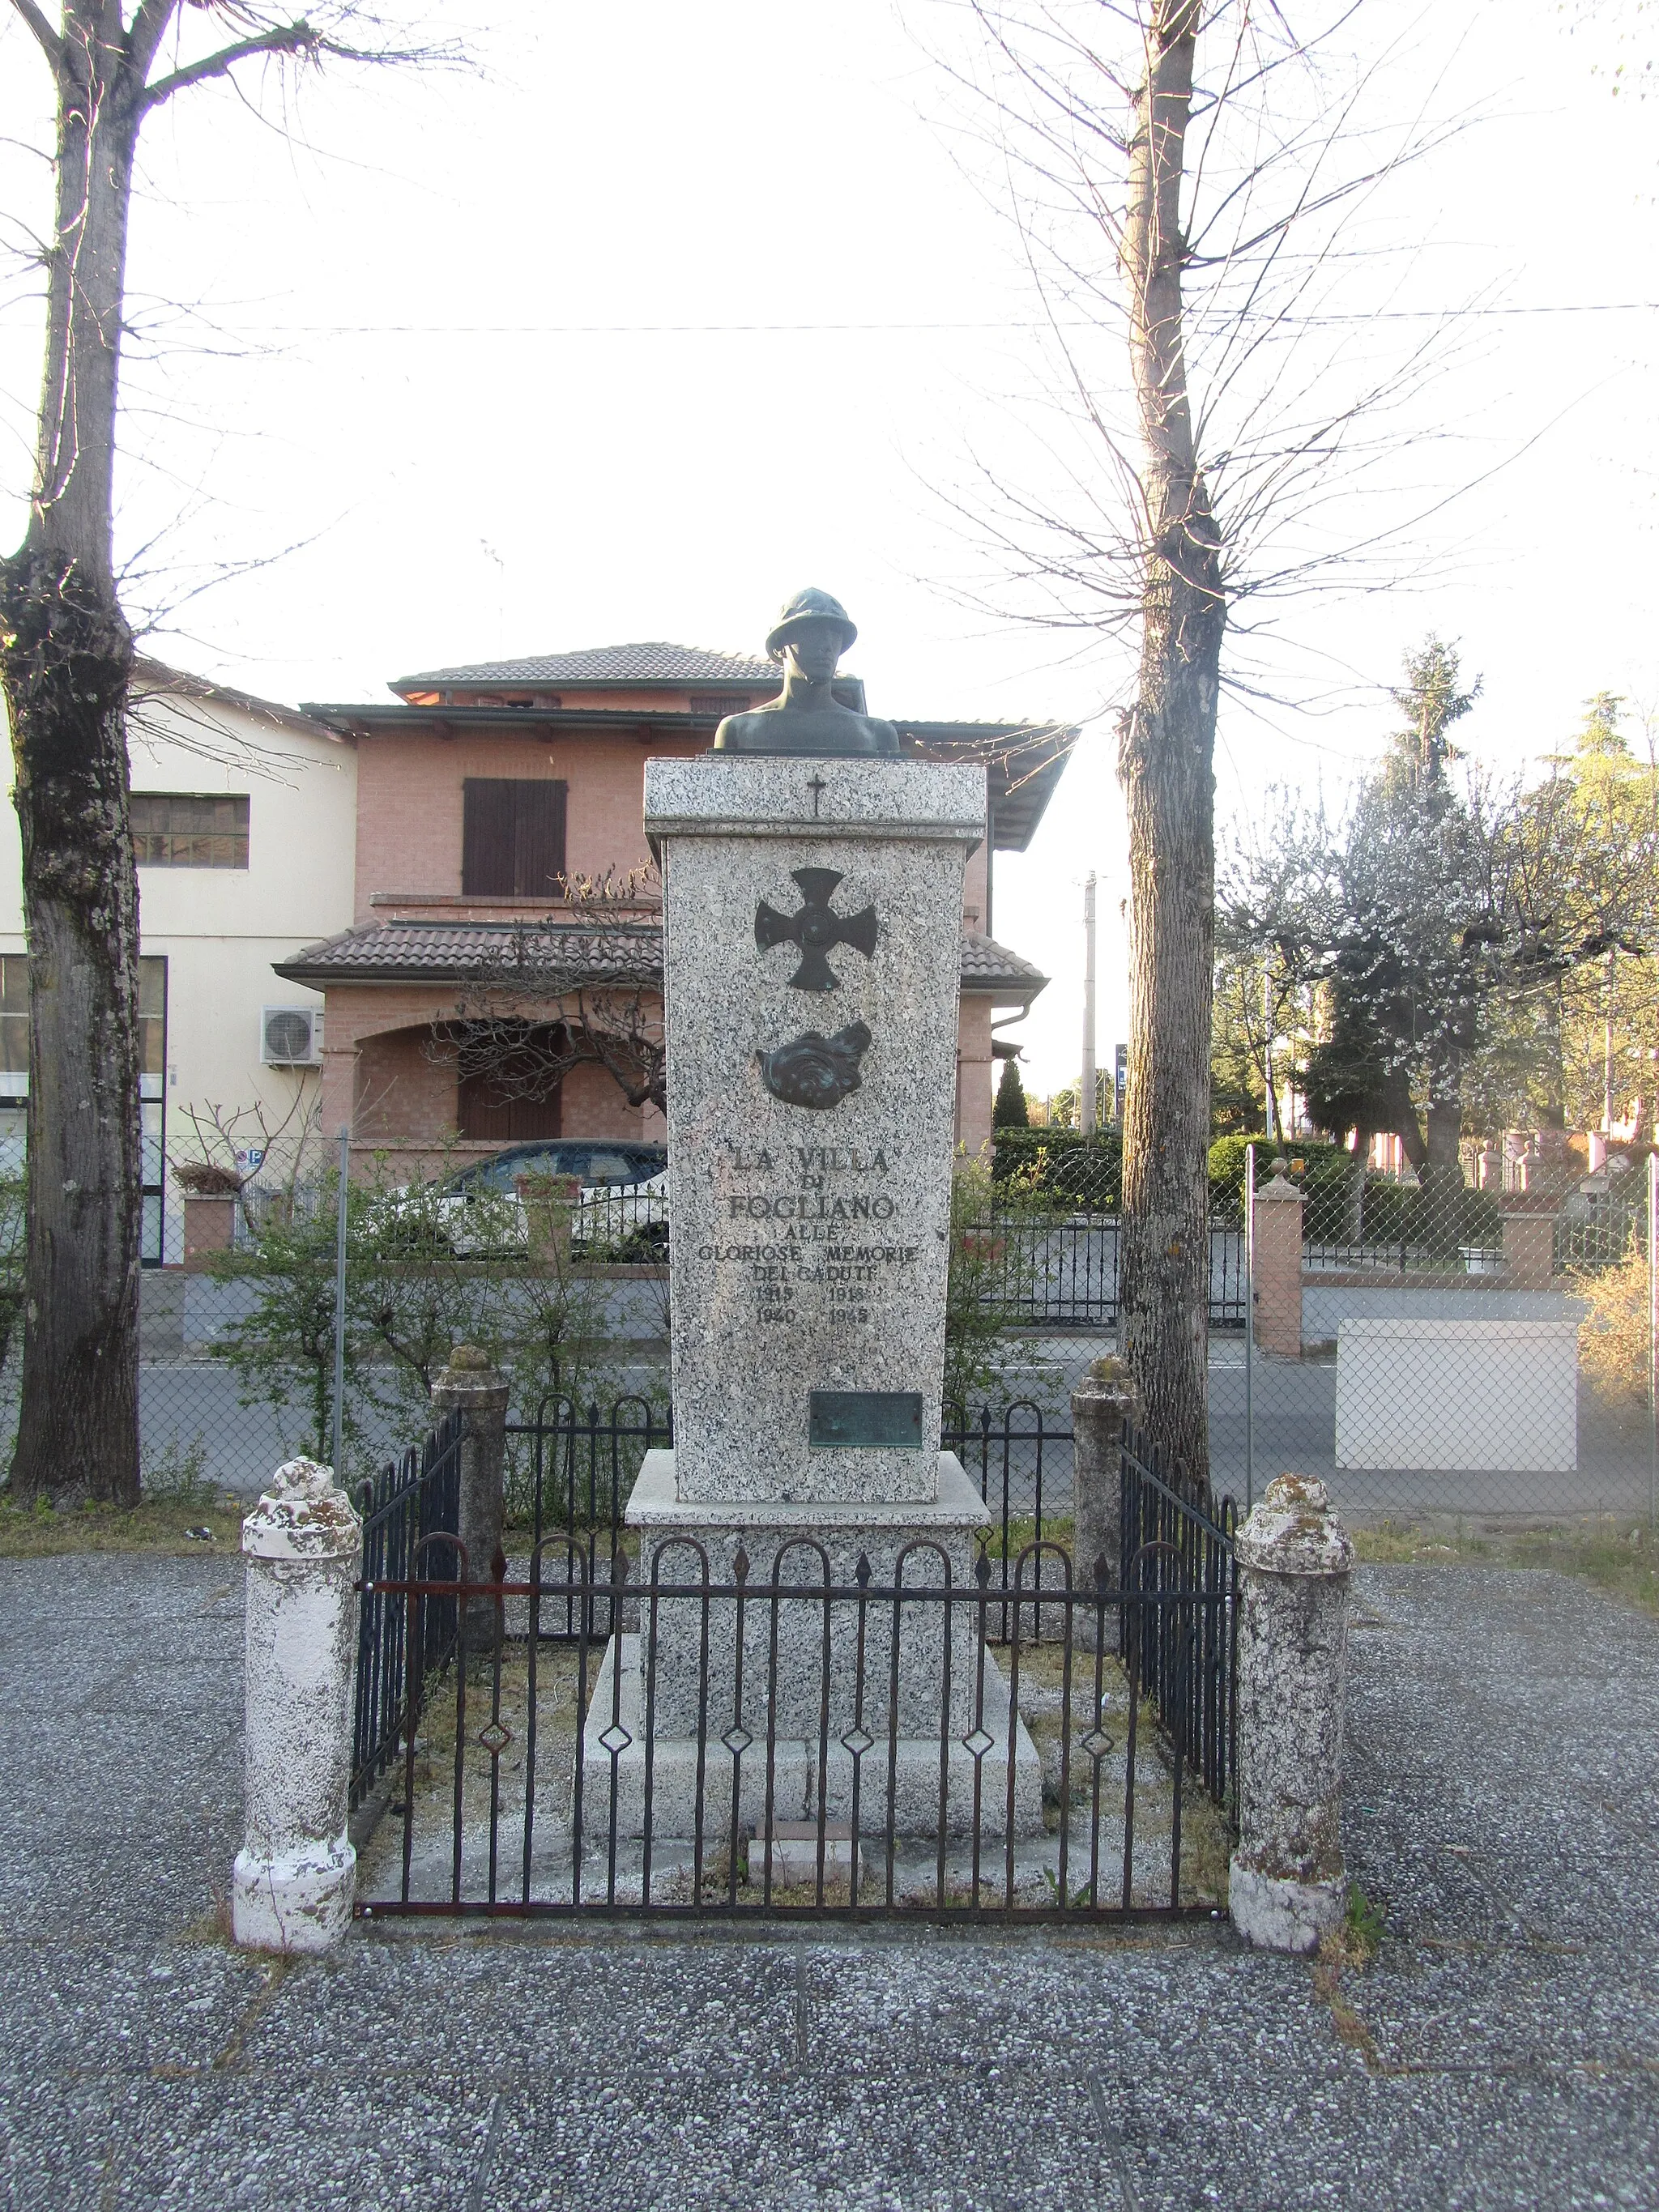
1064	1273
1182	1547
1401	1256
781	1744
909	1738
411	1501
574	1468
1010	1455
1601	1229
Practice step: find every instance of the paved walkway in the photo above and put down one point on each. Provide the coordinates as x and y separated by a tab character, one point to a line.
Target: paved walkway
1504	2053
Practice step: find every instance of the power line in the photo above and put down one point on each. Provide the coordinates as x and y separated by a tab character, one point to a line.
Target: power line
747	329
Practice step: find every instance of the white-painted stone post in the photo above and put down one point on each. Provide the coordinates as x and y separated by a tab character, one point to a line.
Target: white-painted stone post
1289	1887
291	1889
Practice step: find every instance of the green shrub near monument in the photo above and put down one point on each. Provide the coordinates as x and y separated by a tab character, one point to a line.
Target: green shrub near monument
1075	1173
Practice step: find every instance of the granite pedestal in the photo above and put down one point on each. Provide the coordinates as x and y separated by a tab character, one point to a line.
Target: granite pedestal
813	919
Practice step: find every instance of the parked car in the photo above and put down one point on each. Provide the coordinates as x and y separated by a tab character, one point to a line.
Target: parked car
595	1162
624	1200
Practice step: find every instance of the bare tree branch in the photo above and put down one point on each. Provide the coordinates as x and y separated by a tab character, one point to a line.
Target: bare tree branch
296	38
145	36
49	43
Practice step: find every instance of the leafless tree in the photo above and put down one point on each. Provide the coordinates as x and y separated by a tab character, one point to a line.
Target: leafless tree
582	987
1180	173
66	658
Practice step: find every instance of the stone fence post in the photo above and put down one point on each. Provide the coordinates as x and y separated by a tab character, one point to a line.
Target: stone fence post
480	1392
1528	1240
1101	1404
1278	1315
549	1202
1288	1884
292	1885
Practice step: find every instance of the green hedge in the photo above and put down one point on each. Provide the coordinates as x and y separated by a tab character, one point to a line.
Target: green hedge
1086	1173
1401	1213
1062	1164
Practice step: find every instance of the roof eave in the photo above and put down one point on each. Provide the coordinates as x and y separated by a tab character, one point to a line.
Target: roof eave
155	679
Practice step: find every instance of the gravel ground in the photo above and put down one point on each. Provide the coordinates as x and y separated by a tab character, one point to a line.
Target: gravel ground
1504	2051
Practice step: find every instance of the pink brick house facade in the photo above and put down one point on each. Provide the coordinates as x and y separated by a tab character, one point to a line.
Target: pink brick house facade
483	793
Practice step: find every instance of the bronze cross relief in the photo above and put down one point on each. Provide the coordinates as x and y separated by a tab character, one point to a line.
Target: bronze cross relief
817	929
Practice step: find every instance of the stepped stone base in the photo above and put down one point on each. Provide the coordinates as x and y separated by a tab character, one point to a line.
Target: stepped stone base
803	1775
793	1673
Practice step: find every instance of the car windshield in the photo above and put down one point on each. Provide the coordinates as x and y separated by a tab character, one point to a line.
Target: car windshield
593	1164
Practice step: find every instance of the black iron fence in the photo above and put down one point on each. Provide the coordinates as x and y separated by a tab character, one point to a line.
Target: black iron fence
785	1744
1022	1466
1180	1548
969	1728
572	1466
1061	1273
410	1502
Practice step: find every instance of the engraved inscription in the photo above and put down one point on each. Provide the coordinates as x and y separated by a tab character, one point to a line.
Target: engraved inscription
822	1238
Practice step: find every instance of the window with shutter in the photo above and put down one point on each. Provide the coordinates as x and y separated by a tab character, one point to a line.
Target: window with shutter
512	837
516	1099
189	830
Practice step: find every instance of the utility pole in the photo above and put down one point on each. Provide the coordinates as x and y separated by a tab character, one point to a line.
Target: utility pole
1085	1105
1270	1087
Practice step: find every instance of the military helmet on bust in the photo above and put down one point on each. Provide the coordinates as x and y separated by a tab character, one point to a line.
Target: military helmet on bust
810	605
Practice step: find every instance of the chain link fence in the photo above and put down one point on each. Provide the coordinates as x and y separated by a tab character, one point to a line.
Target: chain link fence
1436	1350
1429	1348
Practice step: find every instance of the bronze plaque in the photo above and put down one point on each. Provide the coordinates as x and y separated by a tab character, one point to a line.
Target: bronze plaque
884	1420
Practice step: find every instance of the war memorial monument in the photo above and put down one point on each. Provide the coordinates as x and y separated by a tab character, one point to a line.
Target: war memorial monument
812	884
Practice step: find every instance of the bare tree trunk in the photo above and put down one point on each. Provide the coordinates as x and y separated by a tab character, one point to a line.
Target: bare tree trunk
65	654
1166	743
1362	1146
65	659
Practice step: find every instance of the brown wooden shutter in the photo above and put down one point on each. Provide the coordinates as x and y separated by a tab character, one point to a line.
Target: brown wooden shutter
487	837
539	847
512	837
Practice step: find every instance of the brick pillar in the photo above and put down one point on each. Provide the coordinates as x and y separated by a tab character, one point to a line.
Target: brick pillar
1279	1268
291	1888
1528	1242
1101	1404
209	1227
1288	1885
481	1393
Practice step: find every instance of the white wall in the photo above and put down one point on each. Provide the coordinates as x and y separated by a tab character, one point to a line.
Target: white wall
219	929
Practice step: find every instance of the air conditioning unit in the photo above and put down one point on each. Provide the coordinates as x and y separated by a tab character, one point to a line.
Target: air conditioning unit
291	1037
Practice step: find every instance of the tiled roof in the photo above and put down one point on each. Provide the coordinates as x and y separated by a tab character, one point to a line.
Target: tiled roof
652	661
562	953
987	965
414	951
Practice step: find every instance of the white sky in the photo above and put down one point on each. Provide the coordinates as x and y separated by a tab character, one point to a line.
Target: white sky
387	406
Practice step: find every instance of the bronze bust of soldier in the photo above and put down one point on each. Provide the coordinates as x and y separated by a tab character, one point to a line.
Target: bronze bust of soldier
809	638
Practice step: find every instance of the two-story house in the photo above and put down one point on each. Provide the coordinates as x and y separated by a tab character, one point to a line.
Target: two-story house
244	817
485	791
